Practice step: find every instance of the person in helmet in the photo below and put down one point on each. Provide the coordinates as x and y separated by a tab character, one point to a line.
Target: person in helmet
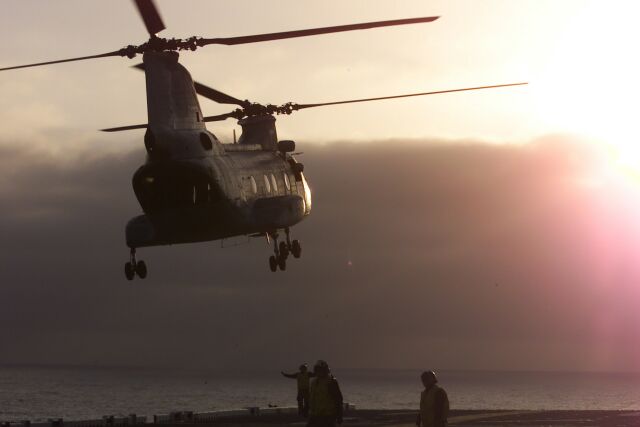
325	399
434	403
302	377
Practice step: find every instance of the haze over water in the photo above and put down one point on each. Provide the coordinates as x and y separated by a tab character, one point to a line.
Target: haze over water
39	393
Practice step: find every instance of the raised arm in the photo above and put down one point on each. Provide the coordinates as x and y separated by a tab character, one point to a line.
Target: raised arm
294	376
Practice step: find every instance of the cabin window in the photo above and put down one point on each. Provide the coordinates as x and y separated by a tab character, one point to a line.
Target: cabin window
267	186
287	184
254	186
274	184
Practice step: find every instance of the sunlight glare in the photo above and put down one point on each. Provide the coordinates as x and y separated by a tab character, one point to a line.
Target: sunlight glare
589	85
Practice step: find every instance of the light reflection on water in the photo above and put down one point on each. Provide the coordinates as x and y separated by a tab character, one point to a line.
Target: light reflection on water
79	393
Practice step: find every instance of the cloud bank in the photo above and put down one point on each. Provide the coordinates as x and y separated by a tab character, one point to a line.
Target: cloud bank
417	253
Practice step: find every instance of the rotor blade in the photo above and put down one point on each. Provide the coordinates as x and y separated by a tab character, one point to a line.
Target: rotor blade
118	129
312	32
217	96
81	58
302	106
144	126
150	16
221	117
210	93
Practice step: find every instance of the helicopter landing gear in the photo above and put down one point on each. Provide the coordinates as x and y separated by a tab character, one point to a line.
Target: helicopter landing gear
134	267
282	250
293	246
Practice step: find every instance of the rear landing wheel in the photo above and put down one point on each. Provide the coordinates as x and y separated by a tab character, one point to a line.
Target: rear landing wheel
273	263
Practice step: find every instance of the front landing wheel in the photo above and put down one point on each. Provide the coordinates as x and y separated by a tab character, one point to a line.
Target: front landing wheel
129	271
296	249
141	269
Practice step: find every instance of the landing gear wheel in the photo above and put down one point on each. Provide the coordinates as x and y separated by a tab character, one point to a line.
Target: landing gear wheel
129	271
284	250
296	249
141	269
273	263
282	263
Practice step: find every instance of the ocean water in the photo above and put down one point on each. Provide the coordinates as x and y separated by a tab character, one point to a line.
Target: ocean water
39	393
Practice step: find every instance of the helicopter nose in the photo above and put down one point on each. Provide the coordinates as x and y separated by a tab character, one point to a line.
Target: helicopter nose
278	212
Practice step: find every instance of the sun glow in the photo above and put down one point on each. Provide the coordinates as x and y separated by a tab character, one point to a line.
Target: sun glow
590	86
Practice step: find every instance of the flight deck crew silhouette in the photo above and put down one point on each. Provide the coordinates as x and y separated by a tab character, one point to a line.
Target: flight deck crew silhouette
434	403
302	377
325	399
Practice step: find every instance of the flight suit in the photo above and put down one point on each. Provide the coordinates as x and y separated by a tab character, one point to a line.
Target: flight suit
325	403
303	393
434	407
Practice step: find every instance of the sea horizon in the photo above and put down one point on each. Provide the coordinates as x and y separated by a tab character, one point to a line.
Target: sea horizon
73	393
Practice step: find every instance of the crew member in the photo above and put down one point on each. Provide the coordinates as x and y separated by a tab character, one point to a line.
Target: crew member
326	398
302	377
434	403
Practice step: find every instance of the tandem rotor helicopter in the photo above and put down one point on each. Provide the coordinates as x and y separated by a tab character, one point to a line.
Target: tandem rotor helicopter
193	188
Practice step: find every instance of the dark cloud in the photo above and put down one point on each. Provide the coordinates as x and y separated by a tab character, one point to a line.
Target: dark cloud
417	253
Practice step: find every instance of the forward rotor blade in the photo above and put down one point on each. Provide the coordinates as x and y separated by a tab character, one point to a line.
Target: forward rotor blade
312	32
81	58
150	16
118	129
302	106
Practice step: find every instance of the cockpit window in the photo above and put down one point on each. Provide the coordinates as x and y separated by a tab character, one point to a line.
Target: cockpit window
254	186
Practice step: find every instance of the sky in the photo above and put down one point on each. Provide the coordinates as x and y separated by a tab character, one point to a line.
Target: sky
482	230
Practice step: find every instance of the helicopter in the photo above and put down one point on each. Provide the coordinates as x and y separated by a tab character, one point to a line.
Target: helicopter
194	188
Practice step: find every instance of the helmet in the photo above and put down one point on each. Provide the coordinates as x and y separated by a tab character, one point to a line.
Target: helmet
321	366
429	374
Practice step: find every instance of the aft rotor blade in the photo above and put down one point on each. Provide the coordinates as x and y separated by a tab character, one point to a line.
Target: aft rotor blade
312	31
221	117
81	58
210	93
144	126
118	129
150	16
217	96
302	106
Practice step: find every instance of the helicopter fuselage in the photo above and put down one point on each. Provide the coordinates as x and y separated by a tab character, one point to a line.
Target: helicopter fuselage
228	190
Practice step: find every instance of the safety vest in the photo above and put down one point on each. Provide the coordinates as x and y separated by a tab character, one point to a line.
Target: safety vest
303	380
321	402
428	406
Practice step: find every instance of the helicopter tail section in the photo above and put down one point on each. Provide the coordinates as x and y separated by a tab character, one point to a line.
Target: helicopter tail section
172	103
